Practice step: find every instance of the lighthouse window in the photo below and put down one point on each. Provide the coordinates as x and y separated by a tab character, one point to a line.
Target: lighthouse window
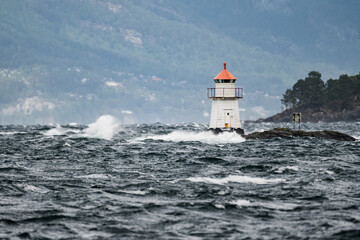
226	81
227	114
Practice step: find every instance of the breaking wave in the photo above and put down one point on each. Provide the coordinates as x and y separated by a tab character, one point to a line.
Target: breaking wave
104	127
59	131
205	137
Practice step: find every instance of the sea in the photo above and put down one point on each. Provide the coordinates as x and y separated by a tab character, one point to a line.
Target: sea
109	180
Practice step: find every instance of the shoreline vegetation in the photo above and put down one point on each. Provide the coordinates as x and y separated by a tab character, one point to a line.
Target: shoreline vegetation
316	100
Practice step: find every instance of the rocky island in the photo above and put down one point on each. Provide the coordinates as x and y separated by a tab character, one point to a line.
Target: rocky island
335	100
288	133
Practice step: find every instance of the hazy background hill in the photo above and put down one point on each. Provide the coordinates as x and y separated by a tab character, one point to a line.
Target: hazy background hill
146	61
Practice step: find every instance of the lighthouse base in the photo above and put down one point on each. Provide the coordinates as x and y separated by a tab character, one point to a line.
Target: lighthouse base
219	130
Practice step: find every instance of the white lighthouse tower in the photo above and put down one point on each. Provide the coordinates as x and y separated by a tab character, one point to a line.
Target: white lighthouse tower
225	109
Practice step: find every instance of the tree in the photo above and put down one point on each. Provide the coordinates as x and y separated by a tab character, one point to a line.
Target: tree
346	85
287	97
299	91
313	92
332	89
313	89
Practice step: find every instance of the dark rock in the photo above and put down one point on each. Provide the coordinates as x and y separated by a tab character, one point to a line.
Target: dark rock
288	133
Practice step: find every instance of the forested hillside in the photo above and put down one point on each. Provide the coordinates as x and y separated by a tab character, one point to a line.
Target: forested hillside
313	92
146	61
333	100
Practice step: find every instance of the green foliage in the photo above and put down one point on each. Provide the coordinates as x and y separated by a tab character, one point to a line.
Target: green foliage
314	92
288	99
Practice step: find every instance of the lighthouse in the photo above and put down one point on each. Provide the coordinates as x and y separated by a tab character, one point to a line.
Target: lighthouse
225	109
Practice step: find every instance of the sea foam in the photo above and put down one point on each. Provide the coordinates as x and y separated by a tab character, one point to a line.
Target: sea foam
205	137
269	205
93	176
236	179
11	133
241	203
292	168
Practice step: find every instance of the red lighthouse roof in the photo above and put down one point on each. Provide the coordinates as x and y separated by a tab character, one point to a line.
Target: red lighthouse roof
225	74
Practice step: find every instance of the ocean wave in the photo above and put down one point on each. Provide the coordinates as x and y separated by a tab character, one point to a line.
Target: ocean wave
94	176
205	137
62	183
241	203
59	131
269	205
134	192
32	188
104	128
236	179
11	133
291	168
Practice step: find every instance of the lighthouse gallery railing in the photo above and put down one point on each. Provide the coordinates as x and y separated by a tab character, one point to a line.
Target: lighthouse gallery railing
225	92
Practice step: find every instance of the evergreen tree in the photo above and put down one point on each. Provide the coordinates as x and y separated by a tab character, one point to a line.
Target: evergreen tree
311	91
287	97
346	85
332	89
314	89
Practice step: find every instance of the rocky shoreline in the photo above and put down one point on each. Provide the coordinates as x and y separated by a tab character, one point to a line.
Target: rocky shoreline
288	133
323	114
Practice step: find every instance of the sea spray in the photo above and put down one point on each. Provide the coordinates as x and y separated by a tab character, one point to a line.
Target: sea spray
104	127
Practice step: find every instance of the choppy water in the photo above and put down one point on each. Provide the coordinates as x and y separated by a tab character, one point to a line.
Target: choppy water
156	181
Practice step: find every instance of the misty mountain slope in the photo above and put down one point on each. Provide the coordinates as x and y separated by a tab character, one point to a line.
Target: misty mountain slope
153	60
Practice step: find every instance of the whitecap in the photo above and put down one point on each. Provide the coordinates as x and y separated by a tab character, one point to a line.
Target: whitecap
241	203
282	169
58	130
94	176
221	193
236	179
134	192
219	206
11	133
277	205
329	172
205	137
33	188
269	205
